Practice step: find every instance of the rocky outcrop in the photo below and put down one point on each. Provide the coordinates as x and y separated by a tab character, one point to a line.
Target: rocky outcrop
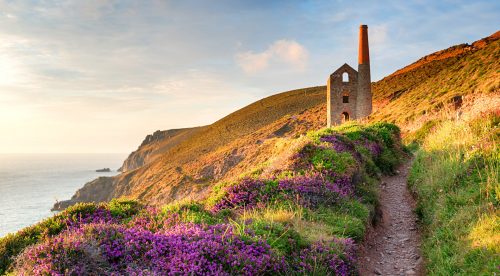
155	144
97	190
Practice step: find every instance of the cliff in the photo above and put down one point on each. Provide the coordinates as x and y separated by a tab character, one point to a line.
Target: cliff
156	144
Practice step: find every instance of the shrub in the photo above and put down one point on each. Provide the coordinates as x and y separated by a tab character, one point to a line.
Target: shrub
335	258
12	244
193	212
283	239
388	161
124	208
330	160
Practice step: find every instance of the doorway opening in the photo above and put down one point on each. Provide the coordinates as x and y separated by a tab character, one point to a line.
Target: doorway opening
345	117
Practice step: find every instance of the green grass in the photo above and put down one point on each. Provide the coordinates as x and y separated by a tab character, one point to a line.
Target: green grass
455	177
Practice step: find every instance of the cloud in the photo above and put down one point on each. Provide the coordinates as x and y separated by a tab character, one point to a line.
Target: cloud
378	34
287	52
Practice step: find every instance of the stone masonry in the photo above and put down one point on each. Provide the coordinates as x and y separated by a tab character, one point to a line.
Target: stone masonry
349	95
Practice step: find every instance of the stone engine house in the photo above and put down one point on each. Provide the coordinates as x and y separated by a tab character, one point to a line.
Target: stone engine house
348	91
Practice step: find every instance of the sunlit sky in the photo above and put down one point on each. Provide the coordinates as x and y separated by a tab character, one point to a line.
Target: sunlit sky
97	76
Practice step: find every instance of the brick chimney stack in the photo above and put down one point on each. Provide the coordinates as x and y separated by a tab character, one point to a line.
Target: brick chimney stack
364	101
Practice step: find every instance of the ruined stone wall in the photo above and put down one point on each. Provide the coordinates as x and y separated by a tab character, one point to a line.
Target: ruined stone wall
336	89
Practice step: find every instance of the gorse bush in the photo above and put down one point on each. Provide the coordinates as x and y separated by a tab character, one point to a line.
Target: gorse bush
304	219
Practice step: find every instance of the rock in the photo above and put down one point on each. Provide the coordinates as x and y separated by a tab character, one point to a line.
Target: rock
410	272
377	271
61	205
97	190
103	170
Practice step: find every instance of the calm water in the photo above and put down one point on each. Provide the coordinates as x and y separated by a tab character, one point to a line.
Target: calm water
31	183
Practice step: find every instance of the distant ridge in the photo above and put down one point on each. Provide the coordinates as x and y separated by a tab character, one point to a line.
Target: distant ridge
450	52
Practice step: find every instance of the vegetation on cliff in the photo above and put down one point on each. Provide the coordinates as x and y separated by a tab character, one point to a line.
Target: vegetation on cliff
303	216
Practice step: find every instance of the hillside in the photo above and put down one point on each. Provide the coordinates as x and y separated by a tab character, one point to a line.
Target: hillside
185	165
302	215
221	151
414	94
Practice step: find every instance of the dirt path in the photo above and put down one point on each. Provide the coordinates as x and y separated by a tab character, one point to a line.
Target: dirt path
392	247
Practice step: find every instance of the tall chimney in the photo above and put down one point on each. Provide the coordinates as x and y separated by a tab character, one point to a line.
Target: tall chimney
364	101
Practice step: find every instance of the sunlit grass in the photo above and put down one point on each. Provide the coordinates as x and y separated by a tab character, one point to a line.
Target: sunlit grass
486	232
455	175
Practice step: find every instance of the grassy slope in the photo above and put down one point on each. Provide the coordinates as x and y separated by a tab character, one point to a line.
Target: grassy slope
412	97
456	179
229	145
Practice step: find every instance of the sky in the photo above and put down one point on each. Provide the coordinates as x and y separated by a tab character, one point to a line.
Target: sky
97	76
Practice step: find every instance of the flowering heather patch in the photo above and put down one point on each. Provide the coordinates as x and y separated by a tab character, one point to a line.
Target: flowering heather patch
62	255
100	215
336	258
339	143
374	147
248	193
184	249
152	219
313	190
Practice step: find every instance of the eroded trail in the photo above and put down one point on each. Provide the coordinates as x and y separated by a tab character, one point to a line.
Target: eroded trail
392	247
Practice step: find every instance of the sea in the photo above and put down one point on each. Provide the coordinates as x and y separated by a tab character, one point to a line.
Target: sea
31	183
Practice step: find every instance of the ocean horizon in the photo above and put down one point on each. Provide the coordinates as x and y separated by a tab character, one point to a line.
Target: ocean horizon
31	183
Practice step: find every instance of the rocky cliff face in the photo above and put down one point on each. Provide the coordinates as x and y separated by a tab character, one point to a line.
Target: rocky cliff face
154	145
97	190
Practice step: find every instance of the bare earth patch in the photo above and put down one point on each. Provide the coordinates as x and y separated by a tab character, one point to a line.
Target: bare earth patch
392	247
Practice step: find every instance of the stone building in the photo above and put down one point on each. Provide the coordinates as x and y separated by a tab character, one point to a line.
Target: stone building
348	91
